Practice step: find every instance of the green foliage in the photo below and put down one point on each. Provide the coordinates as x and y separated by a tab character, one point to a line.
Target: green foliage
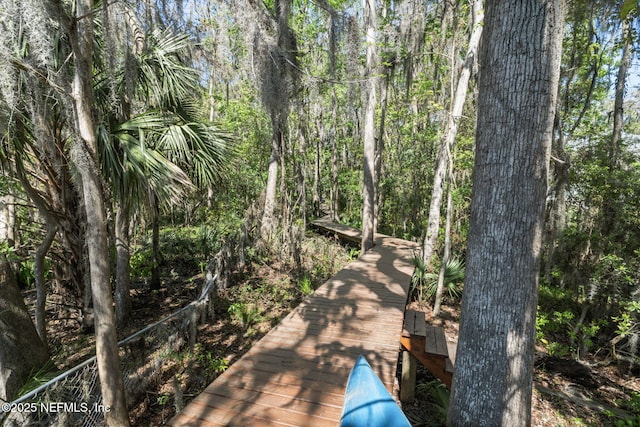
627	322
38	378
438	394
141	263
560	330
354	253
245	314
163	398
426	283
306	285
419	278
8	251
632	405
213	366
26	272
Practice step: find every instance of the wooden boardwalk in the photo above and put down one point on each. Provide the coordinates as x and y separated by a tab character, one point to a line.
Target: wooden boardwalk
296	374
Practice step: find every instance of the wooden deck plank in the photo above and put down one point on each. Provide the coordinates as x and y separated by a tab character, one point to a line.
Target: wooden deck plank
436	342
296	374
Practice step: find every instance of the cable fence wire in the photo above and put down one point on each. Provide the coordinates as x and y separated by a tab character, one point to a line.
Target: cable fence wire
73	398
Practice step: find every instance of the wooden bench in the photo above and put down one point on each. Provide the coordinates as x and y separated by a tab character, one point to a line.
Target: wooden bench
427	344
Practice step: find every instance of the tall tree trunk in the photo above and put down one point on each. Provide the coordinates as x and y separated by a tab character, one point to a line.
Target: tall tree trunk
280	71
447	249
155	245
335	189
611	205
444	152
621	83
384	98
85	160
520	62
316	179
557	205
123	267
370	179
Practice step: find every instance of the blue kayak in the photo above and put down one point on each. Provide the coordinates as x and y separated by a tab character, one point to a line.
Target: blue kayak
367	403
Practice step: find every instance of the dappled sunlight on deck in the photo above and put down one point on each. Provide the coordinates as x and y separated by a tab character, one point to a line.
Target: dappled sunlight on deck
297	373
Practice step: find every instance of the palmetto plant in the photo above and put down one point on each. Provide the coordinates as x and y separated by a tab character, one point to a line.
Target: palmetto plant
426	283
419	278
166	148
155	145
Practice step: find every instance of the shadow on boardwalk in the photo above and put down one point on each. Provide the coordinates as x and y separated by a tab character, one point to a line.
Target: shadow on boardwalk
296	374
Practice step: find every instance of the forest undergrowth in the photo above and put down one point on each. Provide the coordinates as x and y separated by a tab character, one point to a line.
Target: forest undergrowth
595	391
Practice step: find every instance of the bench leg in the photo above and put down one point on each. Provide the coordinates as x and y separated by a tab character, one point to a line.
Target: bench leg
408	379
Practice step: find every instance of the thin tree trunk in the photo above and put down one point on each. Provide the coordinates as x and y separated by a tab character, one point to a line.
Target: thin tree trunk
610	207
85	155
370	179
447	250
316	180
7	219
155	246
557	205
621	83
334	158
41	284
384	89
520	67
451	132
123	267
41	253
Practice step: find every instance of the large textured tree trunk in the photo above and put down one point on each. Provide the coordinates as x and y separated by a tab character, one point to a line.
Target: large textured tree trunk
85	158
370	179
520	59
21	351
444	152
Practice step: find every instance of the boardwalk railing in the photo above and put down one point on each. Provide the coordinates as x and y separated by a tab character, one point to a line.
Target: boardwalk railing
73	398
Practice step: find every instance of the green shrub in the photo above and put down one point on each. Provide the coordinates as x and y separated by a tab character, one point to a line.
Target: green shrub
426	283
305	285
247	315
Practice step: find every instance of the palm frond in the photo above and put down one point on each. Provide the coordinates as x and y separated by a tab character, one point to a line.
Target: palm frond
426	283
163	75
134	165
201	149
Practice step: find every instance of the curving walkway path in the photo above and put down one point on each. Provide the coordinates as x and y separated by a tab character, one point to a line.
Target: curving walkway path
296	374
